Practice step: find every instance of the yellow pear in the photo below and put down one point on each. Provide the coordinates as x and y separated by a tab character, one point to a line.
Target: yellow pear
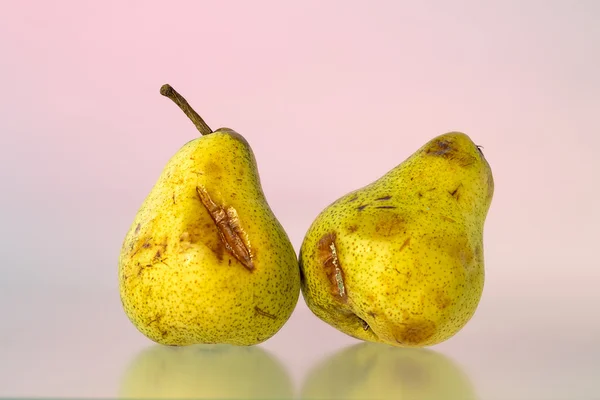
376	371
400	261
205	259
206	372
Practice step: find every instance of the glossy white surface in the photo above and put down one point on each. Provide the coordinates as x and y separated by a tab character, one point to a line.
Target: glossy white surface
78	343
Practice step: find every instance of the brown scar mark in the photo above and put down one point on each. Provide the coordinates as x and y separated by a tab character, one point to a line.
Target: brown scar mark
174	198
390	225
456	192
444	148
364	323
405	244
354	198
445	218
328	256
414	332
230	231
441	300
143	246
156	319
137	228
372	314
386	207
384	198
361	207
142	268
219	250
352	228
212	168
264	313
420	194
163	248
163	262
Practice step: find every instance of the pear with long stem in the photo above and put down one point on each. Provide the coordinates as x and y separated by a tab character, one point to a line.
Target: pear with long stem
205	259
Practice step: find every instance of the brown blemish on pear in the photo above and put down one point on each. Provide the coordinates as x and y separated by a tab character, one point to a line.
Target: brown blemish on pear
157	321
445	148
263	313
212	168
405	244
230	231
389	224
329	260
456	192
445	218
414	332
441	299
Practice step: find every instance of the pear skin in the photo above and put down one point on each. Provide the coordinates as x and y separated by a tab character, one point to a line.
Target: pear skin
205	259
400	261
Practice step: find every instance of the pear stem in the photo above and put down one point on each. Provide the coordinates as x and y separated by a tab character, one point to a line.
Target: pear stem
168	91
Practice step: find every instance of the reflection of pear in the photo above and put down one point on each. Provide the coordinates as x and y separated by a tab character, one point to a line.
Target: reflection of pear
206	371
377	371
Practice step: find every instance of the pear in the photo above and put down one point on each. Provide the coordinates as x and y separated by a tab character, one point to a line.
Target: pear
205	259
400	261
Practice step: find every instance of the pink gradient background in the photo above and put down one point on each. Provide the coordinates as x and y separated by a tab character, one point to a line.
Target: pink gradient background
331	95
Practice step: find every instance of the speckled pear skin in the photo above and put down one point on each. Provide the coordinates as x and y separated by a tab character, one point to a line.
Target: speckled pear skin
400	261
180	283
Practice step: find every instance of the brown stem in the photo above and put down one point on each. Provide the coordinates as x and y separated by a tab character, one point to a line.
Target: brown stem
168	91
